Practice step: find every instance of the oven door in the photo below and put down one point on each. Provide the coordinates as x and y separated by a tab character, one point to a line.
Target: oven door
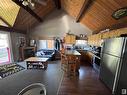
96	63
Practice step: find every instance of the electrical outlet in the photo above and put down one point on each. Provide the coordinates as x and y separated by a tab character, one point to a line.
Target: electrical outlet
124	92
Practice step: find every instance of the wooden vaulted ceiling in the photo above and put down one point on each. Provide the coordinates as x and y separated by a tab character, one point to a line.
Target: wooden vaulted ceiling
25	21
98	15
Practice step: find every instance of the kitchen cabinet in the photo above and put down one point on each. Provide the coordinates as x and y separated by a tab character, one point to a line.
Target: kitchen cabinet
121	31
70	39
110	34
89	56
86	56
114	33
105	35
83	55
94	40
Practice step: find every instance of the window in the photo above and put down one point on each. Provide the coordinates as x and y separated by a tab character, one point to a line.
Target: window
3	40
81	42
4	49
46	44
50	44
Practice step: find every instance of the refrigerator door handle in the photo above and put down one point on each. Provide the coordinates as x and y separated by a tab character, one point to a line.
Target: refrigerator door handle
117	74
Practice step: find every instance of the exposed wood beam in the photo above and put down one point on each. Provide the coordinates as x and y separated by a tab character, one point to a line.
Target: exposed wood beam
86	5
57	4
5	21
28	10
11	29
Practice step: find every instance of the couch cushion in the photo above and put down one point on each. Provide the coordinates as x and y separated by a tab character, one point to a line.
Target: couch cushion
46	53
40	53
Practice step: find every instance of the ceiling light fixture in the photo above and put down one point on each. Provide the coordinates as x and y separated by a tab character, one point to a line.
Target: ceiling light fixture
31	3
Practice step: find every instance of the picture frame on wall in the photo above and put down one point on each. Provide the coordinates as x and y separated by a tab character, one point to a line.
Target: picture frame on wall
120	13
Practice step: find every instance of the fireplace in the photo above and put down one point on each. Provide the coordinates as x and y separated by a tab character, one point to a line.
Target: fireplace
26	52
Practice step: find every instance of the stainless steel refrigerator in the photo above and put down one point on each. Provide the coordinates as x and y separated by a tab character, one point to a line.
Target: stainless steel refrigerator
113	67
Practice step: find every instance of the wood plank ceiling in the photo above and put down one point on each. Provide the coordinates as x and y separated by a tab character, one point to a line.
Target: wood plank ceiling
99	15
25	21
72	7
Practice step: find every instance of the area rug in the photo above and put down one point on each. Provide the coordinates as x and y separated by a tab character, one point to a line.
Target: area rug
8	69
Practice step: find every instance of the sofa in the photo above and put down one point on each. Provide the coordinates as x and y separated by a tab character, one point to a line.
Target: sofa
45	53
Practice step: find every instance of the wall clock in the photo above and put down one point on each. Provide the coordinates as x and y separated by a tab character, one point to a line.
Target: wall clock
120	13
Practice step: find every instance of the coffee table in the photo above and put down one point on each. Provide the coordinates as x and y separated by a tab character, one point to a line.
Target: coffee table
37	63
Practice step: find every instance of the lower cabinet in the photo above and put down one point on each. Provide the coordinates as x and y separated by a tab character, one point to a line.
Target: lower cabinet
89	56
86	56
83	56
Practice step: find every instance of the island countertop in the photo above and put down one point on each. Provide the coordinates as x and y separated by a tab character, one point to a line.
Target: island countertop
72	52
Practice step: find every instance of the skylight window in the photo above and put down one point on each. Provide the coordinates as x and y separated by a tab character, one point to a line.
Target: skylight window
3	23
8	11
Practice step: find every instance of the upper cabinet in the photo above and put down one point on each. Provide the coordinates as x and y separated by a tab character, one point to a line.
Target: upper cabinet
72	7
114	33
95	39
70	39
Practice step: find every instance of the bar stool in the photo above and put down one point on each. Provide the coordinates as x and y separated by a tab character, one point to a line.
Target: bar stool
64	62
33	89
72	65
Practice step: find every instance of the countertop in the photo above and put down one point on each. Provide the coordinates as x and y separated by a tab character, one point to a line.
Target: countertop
89	50
72	52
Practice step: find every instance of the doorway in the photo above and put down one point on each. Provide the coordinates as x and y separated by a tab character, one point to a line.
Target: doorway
5	55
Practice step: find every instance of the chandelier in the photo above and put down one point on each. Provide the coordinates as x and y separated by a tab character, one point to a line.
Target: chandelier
31	3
